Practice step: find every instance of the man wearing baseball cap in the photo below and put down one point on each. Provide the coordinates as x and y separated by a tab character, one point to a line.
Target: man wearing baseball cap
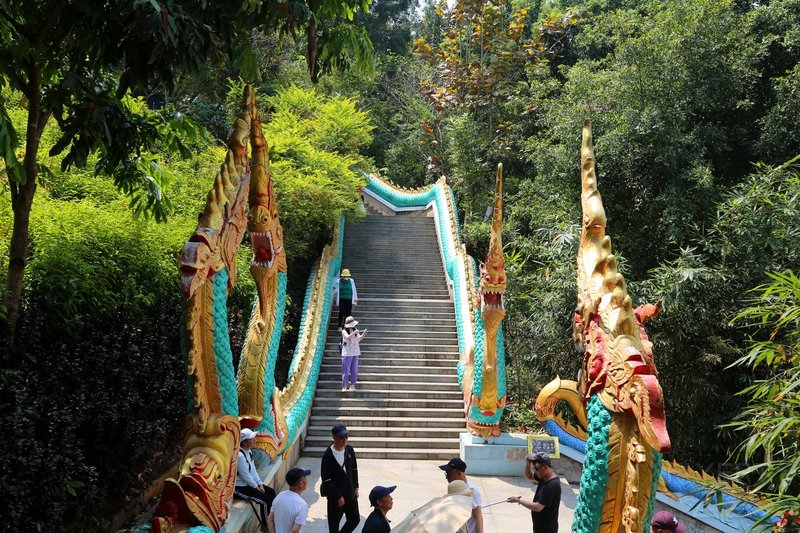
381	499
339	473
290	510
547	498
665	522
455	469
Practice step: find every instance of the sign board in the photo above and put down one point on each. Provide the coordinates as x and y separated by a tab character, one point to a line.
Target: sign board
544	444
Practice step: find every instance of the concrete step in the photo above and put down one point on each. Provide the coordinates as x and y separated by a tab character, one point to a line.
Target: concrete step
393	339
366	363
392	433
390	344
332	354
396	377
374	336
367	369
344	411
362	267
381	442
376	403
412	305
388	318
405	309
358	271
399	327
398	293
429	347
377	420
333	391
368	360
419	454
366	384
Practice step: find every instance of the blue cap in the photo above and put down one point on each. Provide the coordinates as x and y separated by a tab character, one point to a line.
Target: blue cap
379	492
296	474
339	430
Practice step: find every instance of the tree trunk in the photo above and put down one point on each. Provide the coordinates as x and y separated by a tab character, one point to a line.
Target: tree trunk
21	202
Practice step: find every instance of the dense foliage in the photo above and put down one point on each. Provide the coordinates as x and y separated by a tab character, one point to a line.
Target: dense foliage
96	398
771	420
684	97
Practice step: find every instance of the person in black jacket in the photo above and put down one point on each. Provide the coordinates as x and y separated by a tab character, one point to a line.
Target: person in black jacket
339	474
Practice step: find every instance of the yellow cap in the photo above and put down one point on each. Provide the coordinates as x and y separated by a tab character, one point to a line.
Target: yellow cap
345	272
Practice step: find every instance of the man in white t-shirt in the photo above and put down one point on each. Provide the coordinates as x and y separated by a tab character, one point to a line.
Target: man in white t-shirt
290	510
455	469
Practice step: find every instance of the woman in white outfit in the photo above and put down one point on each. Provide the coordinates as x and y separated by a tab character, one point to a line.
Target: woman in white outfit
351	350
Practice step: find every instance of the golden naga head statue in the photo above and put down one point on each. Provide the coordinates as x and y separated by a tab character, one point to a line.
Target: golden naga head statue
618	362
201	494
493	271
263	223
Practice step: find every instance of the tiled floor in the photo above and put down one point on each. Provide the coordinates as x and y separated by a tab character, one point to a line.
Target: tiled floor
419	481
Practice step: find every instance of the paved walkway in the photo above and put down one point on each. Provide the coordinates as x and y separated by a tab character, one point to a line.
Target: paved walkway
419	481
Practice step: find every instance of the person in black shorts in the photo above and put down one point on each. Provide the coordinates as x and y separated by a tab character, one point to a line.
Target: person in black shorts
547	499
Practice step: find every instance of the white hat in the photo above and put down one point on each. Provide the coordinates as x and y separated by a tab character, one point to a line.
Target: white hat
458	487
350	322
248	434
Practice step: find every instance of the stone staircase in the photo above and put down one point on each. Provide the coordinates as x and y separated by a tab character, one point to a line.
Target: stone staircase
407	404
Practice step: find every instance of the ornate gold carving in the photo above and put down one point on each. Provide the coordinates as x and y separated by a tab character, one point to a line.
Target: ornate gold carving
560	390
630	475
618	364
269	258
201	494
492	290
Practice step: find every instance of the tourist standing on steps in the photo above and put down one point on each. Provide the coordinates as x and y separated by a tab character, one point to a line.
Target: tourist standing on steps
339	473
248	481
381	499
351	350
290	510
455	469
547	499
345	294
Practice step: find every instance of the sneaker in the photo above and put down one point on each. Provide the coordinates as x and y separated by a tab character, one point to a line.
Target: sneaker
345	389
352	387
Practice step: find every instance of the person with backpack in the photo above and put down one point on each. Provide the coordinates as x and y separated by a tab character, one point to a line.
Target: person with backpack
248	482
345	295
351	350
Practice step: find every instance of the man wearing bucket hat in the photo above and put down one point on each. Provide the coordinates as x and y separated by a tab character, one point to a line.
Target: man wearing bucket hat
381	499
290	510
339	473
665	522
547	499
345	295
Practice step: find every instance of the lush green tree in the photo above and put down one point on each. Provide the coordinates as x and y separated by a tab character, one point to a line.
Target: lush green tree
389	24
77	61
770	423
314	149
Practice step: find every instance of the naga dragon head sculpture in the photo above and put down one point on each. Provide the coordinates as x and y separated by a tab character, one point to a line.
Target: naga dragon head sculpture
493	271
201	494
618	365
484	409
